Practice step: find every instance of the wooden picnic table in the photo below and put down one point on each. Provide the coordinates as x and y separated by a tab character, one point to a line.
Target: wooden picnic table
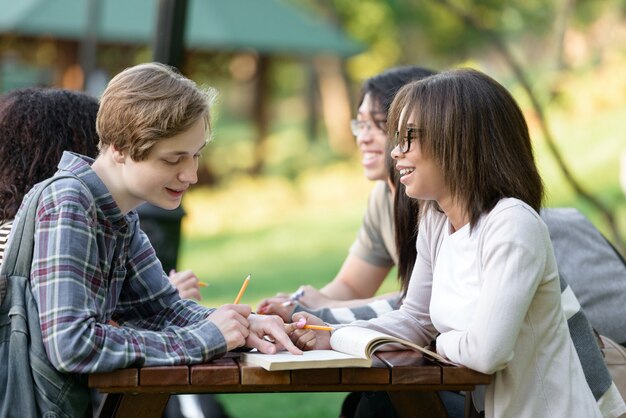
410	379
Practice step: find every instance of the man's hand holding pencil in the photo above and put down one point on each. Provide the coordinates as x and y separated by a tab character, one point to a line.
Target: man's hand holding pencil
240	327
232	321
269	333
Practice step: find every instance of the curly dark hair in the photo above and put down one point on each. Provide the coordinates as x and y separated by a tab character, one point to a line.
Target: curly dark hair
36	126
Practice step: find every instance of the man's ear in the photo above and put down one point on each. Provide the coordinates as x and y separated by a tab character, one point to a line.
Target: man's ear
118	156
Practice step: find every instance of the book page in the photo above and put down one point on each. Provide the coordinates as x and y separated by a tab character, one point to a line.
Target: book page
354	340
363	342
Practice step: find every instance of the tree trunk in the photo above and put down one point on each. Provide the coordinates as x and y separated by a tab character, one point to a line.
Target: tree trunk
312	101
564	11
335	99
260	109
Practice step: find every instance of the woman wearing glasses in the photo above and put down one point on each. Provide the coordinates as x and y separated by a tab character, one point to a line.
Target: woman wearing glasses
485	284
373	253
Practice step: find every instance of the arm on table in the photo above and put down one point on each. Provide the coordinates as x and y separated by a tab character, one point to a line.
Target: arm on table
355	285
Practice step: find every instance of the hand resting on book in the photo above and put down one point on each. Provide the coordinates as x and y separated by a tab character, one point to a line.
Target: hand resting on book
274	327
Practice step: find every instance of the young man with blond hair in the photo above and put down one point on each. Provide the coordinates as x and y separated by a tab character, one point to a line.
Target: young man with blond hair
104	300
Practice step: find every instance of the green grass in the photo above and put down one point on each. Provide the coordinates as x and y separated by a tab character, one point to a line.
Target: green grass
302	249
284	405
279	258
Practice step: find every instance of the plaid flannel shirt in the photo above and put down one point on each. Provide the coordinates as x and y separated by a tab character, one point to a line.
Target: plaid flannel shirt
91	264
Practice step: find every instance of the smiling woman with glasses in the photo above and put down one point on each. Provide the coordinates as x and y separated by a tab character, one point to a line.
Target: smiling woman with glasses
377	247
485	285
359	127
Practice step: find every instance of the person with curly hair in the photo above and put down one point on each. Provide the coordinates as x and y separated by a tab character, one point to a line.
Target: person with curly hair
36	126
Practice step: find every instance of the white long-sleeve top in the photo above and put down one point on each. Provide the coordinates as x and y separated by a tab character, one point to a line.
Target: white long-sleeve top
492	301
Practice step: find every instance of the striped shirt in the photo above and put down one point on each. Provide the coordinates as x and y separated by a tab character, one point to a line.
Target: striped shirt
92	264
345	315
5	230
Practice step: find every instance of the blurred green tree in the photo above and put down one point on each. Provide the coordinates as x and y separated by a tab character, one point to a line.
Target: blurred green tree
527	35
497	39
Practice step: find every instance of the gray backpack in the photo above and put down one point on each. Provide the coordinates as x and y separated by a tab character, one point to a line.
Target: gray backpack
595	271
30	386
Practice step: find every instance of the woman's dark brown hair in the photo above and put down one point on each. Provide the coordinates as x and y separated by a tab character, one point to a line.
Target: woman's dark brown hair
36	126
473	128
382	88
405	216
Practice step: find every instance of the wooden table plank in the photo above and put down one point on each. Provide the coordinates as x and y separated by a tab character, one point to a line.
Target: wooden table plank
315	377
409	378
379	373
256	375
222	371
117	378
141	405
462	375
164	376
410	367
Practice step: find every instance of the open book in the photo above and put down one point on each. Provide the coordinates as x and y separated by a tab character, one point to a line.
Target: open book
351	347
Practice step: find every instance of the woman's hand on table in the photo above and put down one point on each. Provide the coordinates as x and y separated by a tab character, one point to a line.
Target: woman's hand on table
283	304
308	339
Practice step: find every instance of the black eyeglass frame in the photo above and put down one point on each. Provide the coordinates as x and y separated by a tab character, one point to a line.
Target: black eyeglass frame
404	144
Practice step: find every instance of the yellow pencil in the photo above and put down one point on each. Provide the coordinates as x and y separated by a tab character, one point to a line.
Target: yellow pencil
318	327
202	284
243	289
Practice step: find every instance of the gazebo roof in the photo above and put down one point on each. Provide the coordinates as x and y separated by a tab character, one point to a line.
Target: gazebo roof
264	25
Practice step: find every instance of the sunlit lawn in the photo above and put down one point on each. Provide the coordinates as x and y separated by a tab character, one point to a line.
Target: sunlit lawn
299	235
283	405
279	258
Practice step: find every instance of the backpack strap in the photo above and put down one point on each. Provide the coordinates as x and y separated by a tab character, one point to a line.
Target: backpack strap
19	254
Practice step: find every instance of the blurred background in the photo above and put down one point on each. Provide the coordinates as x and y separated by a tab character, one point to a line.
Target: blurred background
281	191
